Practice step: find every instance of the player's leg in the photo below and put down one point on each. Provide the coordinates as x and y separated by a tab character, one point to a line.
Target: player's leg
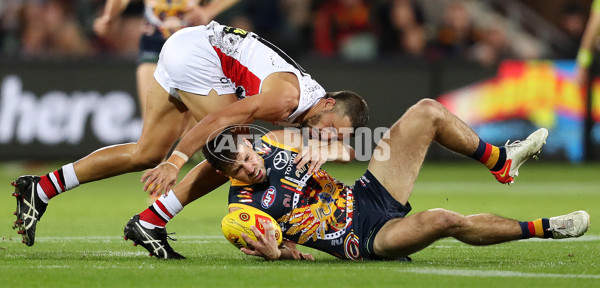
404	147
162	126
400	154
147	227
163	123
201	179
144	77
404	236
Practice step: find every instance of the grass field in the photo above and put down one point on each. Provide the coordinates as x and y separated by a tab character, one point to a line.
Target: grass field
79	241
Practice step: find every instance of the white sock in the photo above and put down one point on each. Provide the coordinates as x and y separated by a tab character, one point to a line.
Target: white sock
170	206
71	180
147	225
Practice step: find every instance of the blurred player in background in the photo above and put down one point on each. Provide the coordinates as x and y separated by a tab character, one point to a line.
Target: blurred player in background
163	18
368	220
585	56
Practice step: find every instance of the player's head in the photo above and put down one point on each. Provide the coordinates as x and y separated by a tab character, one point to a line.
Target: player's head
234	156
341	110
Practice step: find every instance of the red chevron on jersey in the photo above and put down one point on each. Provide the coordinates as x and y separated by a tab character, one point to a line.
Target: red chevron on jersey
238	73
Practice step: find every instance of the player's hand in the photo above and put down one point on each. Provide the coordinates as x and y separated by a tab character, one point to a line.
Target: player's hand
197	15
315	155
102	25
296	254
265	245
160	179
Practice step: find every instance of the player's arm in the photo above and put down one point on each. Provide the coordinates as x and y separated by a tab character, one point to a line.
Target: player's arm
585	53
268	106
112	10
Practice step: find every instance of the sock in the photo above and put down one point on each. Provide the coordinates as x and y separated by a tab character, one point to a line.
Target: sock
161	211
489	155
56	182
537	228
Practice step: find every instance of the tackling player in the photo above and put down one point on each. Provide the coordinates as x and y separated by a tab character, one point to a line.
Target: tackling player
163	18
204	70
368	220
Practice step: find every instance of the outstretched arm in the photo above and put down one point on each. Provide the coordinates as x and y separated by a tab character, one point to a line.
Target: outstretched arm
268	106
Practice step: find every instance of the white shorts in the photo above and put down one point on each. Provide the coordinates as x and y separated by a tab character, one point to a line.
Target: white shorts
188	62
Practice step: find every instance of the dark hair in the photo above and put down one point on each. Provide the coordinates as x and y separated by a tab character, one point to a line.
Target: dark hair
219	156
352	105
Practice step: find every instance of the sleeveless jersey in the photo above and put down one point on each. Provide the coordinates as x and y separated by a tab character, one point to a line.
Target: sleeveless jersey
313	210
229	60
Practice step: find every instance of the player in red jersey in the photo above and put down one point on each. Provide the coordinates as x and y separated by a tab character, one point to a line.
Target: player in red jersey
369	219
205	70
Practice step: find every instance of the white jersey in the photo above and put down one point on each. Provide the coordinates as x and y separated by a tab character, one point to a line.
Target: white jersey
228	60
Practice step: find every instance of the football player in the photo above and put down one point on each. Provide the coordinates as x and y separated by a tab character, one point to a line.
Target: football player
369	220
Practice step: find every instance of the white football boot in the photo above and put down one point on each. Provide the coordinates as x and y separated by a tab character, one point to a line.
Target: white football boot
518	152
571	225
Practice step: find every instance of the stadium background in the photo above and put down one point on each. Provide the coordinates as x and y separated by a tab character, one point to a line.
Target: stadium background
65	92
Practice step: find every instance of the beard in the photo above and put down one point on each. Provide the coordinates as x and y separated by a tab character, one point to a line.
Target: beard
312	121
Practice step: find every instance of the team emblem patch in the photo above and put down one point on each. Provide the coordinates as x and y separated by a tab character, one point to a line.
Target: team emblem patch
268	197
351	247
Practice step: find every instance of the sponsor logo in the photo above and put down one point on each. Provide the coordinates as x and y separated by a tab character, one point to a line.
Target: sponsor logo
268	197
57	117
280	160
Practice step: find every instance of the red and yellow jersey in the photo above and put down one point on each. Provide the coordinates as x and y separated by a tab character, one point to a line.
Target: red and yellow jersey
167	15
313	210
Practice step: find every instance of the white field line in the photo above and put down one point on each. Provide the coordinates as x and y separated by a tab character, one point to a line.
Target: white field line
186	238
219	238
422	271
493	273
562	188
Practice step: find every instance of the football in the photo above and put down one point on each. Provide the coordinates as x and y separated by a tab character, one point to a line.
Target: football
238	221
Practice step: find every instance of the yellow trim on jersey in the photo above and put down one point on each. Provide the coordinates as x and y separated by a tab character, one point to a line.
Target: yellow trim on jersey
291	184
278	145
235	182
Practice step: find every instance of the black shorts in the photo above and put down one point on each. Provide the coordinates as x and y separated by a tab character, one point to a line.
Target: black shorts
374	207
150	46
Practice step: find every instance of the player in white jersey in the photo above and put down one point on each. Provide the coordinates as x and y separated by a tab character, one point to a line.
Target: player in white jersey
204	76
232	61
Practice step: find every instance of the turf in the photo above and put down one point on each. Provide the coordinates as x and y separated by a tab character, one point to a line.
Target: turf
79	241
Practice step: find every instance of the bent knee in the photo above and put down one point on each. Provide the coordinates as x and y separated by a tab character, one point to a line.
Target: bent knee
429	109
446	221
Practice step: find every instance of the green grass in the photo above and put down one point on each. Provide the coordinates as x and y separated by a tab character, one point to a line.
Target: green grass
79	239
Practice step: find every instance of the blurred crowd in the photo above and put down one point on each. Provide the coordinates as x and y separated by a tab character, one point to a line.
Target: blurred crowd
348	29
